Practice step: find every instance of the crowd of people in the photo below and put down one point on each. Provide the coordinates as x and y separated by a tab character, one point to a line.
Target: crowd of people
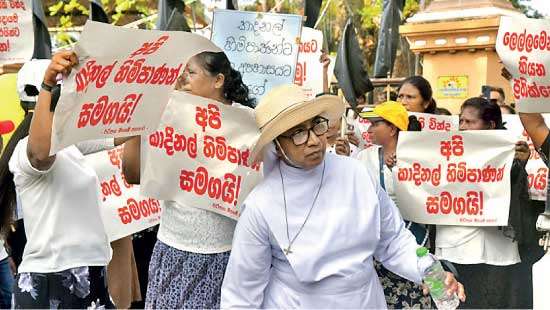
321	230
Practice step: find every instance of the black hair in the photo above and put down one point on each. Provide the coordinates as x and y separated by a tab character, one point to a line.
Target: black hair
425	90
442	111
233	88
8	200
509	108
487	111
414	124
498	90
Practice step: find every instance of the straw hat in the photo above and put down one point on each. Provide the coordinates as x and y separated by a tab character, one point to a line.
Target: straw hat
287	106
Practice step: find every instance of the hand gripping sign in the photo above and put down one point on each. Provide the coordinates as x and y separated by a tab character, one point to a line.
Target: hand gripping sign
262	46
123	210
454	178
199	156
523	45
16	31
122	83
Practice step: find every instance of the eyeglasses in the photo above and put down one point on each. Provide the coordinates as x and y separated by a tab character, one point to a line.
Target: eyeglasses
301	136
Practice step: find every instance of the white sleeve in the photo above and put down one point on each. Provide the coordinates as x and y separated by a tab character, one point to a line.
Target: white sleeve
21	166
397	247
248	270
94	146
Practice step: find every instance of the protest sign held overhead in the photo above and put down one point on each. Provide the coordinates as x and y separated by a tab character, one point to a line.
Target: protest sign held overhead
123	210
203	148
120	87
16	31
309	67
523	45
466	184
263	47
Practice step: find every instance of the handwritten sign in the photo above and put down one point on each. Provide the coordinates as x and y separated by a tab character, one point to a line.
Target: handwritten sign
523	45
263	47
123	210
16	31
454	178
309	68
537	171
121	86
200	155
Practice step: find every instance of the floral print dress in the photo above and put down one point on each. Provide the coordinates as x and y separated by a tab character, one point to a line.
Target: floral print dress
81	287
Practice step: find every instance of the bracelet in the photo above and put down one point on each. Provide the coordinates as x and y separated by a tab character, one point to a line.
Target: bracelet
46	87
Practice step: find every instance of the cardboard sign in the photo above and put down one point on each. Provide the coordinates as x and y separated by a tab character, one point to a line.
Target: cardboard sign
309	69
433	122
263	47
200	155
121	86
454	178
16	31
123	210
537	171
523	45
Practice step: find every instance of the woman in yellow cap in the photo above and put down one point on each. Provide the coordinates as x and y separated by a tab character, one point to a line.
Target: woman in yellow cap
387	120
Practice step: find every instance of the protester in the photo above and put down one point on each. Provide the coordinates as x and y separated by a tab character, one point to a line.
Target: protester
288	250
415	93
6	274
496	95
67	248
191	254
387	121
487	257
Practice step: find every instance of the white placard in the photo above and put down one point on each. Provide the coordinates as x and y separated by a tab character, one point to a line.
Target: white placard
200	155
262	46
121	86
309	69
454	178
16	31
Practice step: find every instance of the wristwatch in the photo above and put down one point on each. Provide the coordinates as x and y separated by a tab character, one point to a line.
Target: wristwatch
46	87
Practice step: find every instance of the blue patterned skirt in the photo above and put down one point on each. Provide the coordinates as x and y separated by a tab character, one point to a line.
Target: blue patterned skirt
180	279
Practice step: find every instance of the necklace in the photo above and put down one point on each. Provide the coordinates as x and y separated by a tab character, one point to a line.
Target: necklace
288	249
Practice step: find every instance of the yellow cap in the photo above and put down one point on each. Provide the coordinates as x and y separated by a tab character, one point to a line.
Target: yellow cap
391	111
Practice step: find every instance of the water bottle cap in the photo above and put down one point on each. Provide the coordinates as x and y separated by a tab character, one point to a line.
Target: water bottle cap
421	251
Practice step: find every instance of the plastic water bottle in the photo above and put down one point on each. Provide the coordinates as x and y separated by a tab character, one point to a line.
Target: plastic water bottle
434	277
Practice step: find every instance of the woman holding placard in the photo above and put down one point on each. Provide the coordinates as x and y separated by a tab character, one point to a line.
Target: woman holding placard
387	120
487	258
191	254
67	250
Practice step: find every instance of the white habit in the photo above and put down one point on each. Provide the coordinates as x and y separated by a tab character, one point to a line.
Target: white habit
331	264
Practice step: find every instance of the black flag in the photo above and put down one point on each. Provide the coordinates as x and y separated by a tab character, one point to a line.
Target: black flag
232	5
388	37
348	68
312	12
42	41
97	13
170	16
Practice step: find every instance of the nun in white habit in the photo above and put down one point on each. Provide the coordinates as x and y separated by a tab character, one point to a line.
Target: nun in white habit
310	230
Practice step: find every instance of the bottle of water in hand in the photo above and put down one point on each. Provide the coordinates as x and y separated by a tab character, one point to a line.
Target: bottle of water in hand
434	277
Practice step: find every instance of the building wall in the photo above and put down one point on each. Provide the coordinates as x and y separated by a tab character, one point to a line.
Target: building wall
482	67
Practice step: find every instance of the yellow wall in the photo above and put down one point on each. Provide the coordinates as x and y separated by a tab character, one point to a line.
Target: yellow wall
9	102
482	68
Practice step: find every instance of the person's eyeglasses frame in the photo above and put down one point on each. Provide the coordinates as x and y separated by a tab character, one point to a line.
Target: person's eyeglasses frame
321	131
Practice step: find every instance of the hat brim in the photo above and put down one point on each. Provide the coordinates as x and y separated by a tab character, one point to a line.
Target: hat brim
328	106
